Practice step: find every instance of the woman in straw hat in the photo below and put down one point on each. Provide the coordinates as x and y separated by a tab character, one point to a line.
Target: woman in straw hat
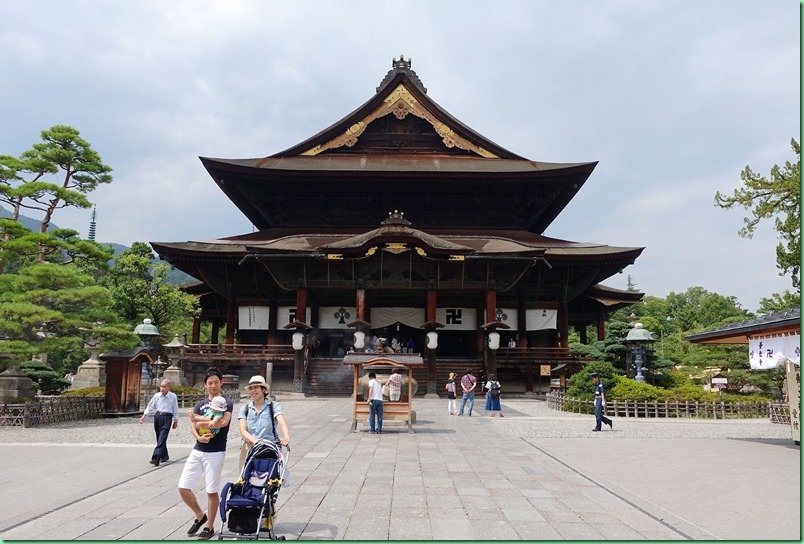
259	418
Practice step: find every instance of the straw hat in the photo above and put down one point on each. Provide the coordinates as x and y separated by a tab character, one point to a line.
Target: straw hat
258	380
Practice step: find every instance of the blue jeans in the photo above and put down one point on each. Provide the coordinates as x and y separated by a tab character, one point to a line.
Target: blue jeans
599	417
468	397
375	410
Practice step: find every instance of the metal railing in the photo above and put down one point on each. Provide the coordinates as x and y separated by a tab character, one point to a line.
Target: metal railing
205	352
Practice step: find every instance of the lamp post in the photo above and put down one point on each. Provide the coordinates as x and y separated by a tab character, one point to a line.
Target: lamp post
148	334
639	341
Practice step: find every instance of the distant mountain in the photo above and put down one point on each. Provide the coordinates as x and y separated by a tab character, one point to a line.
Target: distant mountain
175	276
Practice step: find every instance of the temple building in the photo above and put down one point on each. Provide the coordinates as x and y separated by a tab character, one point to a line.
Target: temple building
403	224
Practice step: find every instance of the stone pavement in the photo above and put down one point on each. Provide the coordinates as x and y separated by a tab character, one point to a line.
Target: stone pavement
454	478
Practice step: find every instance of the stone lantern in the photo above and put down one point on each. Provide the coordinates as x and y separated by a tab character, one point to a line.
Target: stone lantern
639	342
148	334
174	373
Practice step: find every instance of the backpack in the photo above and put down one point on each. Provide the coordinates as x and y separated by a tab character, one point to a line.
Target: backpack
495	389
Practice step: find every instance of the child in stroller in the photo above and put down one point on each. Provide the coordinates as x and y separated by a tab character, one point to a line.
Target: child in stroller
252	498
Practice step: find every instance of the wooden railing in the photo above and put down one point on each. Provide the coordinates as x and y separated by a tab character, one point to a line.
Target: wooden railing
205	352
539	354
557	400
46	410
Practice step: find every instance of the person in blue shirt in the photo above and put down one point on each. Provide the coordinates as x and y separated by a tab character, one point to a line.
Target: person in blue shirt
600	403
259	417
165	407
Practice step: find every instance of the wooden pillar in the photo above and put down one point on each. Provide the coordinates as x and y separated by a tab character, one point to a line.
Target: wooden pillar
582	334
491	305
521	322
563	325
430	315
301	304
231	321
195	336
360	304
480	337
216	330
273	322
491	315
529	377
301	315
314	315
601	328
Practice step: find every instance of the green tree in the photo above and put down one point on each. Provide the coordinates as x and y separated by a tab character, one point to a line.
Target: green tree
140	289
779	198
779	302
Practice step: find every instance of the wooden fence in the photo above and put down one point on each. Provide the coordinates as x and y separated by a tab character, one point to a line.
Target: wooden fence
557	400
44	410
780	413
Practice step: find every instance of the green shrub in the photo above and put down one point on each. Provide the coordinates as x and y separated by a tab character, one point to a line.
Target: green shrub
187	390
96	391
692	393
628	389
581	385
745	397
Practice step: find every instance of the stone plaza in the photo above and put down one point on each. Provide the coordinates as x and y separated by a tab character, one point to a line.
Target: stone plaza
535	474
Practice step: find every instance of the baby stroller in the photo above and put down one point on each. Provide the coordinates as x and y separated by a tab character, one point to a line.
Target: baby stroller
249	501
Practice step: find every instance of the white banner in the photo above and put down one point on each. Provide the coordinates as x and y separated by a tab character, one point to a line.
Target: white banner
457	319
383	317
794	398
252	318
770	352
336	317
507	316
285	315
538	319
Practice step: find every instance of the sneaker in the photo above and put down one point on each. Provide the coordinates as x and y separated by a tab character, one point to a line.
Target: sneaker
196	525
154	462
611	424
206	534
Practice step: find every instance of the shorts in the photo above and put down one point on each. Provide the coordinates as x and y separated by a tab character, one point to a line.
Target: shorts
208	463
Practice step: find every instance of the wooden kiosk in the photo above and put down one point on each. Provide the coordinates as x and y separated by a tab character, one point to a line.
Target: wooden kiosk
123	380
400	410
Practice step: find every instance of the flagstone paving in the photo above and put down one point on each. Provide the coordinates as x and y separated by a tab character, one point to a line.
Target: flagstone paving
534	475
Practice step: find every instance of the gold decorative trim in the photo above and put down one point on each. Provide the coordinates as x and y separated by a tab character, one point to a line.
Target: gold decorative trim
335	256
400	103
395	247
421	252
456	258
371	251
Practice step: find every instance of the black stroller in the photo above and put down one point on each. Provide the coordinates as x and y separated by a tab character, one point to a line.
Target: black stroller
249	504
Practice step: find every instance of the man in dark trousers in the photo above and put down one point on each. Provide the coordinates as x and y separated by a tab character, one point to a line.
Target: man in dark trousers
600	403
165	407
206	458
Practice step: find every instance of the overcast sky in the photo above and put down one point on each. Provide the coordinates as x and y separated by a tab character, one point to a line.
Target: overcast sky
674	98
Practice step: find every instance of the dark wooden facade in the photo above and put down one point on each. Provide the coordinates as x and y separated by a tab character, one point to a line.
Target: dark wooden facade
401	206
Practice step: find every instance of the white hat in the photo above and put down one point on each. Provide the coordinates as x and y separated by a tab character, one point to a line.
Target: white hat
218	404
258	380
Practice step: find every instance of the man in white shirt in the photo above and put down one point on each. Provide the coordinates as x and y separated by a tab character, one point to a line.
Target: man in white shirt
375	403
165	407
512	343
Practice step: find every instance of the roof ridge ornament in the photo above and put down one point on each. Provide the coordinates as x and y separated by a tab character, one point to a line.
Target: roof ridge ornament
402	66
396	218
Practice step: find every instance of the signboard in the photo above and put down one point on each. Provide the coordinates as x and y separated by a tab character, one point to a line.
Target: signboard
544	370
252	318
457	319
766	352
540	319
336	317
720	380
287	315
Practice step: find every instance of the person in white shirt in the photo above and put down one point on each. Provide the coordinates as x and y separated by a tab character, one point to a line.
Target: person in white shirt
375	403
165	407
512	343
394	384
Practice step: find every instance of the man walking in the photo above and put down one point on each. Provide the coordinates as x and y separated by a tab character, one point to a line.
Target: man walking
165	407
600	403
206	458
375	403
468	383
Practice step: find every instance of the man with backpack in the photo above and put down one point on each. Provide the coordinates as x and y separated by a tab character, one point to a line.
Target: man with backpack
493	397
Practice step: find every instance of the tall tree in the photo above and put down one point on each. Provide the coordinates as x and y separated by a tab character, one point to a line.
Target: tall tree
140	289
58	172
777	197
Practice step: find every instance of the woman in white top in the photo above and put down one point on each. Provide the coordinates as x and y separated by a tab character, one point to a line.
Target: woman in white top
493	397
